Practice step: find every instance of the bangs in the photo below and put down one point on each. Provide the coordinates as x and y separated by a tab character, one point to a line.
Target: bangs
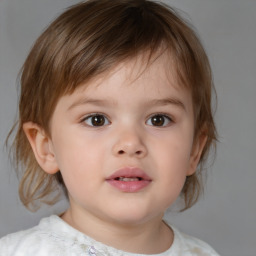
91	38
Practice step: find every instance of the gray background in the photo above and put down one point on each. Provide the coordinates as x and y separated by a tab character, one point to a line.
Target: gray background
226	216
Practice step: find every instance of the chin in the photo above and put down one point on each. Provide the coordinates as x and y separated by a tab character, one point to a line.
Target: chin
133	216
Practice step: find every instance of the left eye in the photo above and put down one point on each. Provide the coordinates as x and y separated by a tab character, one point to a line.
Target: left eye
159	120
96	120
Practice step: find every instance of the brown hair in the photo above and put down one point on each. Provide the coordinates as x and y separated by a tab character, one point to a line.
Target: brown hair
88	39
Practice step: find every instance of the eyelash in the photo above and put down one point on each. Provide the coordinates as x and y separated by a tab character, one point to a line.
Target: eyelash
166	120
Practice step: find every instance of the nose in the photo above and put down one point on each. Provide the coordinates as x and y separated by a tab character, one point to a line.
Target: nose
129	143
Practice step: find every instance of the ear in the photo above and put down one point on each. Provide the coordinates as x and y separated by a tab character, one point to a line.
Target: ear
196	153
42	147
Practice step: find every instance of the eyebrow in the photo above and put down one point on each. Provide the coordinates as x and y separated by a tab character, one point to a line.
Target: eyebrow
91	101
167	101
105	102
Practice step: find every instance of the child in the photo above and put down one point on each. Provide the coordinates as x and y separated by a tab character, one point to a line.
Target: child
115	107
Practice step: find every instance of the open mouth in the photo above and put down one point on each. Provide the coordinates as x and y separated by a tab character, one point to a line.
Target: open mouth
129	179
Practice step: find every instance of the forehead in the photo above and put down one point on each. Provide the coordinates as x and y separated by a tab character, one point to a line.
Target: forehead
134	80
145	66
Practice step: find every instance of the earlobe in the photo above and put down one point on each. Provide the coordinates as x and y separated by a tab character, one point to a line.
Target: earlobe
41	146
196	153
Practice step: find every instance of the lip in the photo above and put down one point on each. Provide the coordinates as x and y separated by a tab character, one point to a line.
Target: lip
139	179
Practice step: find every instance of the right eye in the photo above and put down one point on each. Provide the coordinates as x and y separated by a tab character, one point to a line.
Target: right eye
96	120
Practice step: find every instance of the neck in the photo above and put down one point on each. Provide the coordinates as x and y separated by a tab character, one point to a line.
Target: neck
149	237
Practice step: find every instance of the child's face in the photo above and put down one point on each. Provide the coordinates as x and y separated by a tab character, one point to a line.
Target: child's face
136	128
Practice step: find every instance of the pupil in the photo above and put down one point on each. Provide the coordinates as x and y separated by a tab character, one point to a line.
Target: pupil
157	120
98	120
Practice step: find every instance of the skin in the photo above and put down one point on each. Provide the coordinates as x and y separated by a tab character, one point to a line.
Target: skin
127	99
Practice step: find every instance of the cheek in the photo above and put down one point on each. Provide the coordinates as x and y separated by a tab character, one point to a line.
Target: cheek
80	170
173	161
173	152
74	146
80	155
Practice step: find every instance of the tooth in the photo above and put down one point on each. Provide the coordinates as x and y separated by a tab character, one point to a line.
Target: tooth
128	179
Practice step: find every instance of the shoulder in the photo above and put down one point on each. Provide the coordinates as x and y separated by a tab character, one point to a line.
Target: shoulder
24	242
48	238
188	245
12	243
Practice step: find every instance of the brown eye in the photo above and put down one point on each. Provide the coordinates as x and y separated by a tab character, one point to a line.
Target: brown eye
96	120
159	120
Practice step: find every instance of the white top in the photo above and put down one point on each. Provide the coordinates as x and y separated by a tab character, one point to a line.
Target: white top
54	237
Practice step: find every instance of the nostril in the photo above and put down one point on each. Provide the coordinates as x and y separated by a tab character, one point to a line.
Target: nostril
122	152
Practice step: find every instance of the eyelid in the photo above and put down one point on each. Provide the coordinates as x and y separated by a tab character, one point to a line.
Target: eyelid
167	115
